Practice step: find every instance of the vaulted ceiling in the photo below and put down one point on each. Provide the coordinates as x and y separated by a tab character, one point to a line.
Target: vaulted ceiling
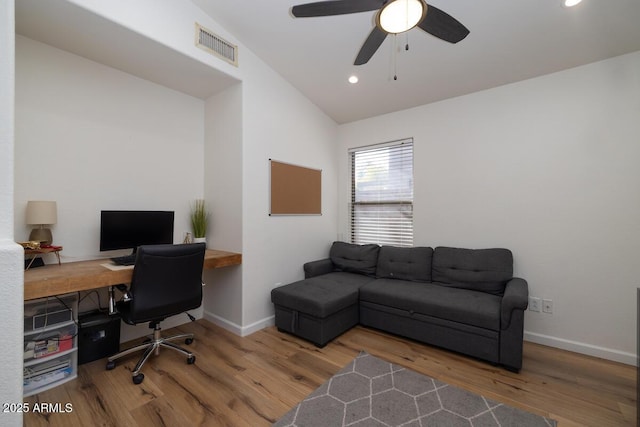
510	41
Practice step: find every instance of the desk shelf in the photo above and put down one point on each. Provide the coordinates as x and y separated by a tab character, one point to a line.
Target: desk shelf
44	330
50	343
49	374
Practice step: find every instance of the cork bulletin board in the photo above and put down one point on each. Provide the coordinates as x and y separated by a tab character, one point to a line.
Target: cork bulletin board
295	190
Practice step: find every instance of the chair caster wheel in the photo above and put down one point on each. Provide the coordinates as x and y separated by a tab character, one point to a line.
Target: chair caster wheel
111	365
137	379
188	341
191	360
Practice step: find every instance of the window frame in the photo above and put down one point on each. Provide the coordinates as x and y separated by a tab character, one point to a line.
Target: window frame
396	231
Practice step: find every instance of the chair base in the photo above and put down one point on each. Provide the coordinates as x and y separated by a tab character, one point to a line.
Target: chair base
153	346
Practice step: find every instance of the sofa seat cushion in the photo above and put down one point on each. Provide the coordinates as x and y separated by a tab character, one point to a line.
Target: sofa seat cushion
321	296
405	263
458	305
485	270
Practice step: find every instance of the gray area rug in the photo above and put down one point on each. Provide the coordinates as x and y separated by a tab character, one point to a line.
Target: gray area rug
372	392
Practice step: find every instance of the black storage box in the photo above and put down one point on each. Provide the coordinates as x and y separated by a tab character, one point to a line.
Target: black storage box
98	336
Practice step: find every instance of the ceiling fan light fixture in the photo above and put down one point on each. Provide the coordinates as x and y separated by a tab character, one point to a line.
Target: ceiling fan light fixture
399	16
570	3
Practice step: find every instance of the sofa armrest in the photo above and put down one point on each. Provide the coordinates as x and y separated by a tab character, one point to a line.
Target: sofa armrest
317	268
516	297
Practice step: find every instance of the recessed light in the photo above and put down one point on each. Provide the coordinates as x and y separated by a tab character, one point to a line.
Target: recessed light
570	3
353	79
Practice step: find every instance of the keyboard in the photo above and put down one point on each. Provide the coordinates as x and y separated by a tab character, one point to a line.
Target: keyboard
124	260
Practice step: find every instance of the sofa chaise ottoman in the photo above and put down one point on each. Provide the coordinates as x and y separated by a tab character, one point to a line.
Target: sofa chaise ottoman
325	304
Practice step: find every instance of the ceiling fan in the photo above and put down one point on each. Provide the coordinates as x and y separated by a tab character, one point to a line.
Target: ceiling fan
393	17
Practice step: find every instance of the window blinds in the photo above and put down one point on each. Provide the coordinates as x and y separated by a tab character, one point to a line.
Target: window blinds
382	194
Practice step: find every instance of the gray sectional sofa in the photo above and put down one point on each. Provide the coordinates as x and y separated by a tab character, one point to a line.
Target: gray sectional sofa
464	300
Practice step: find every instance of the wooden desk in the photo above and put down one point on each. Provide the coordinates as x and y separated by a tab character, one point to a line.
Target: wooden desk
87	275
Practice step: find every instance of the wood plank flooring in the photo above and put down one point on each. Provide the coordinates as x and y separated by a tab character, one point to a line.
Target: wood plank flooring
253	381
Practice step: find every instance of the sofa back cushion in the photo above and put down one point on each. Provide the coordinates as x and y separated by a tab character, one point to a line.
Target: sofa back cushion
352	258
486	270
405	263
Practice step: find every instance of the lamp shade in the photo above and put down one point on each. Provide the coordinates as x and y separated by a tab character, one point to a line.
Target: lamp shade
41	212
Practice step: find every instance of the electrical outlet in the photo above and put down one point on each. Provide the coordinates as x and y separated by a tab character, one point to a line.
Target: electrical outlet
534	304
547	306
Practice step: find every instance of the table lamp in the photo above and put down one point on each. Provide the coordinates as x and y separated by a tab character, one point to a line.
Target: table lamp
41	213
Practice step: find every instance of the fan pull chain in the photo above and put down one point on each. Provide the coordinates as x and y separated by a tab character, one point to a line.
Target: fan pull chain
395	57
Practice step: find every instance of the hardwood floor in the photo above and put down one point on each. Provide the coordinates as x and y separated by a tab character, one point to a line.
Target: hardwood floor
253	381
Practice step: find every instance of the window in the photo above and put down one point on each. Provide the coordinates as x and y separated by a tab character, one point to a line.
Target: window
382	194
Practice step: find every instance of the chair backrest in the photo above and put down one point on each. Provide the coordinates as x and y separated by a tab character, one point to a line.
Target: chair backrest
167	280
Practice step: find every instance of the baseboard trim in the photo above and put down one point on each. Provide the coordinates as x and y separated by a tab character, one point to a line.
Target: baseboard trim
234	328
260	324
551	341
582	348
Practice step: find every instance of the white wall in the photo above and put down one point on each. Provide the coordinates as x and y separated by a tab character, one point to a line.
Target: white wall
11	255
91	137
223	192
548	168
168	22
280	124
262	118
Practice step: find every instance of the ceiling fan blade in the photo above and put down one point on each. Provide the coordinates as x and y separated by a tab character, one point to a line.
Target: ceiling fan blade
373	42
335	7
442	25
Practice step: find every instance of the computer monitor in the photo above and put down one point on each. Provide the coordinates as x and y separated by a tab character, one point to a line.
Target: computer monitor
130	229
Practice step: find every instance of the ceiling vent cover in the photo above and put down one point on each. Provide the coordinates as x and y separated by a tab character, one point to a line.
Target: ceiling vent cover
213	43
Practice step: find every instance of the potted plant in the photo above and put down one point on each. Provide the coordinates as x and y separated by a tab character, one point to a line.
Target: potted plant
199	220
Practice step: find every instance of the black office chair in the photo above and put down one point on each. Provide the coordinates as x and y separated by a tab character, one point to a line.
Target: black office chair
167	280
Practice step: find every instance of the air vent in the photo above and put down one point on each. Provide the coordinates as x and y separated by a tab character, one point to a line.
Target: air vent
215	44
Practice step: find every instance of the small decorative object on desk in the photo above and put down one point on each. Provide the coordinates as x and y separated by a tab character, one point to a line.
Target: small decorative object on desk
30	245
53	248
199	220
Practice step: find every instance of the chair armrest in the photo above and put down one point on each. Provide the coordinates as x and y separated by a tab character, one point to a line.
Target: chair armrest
516	297
124	289
317	268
